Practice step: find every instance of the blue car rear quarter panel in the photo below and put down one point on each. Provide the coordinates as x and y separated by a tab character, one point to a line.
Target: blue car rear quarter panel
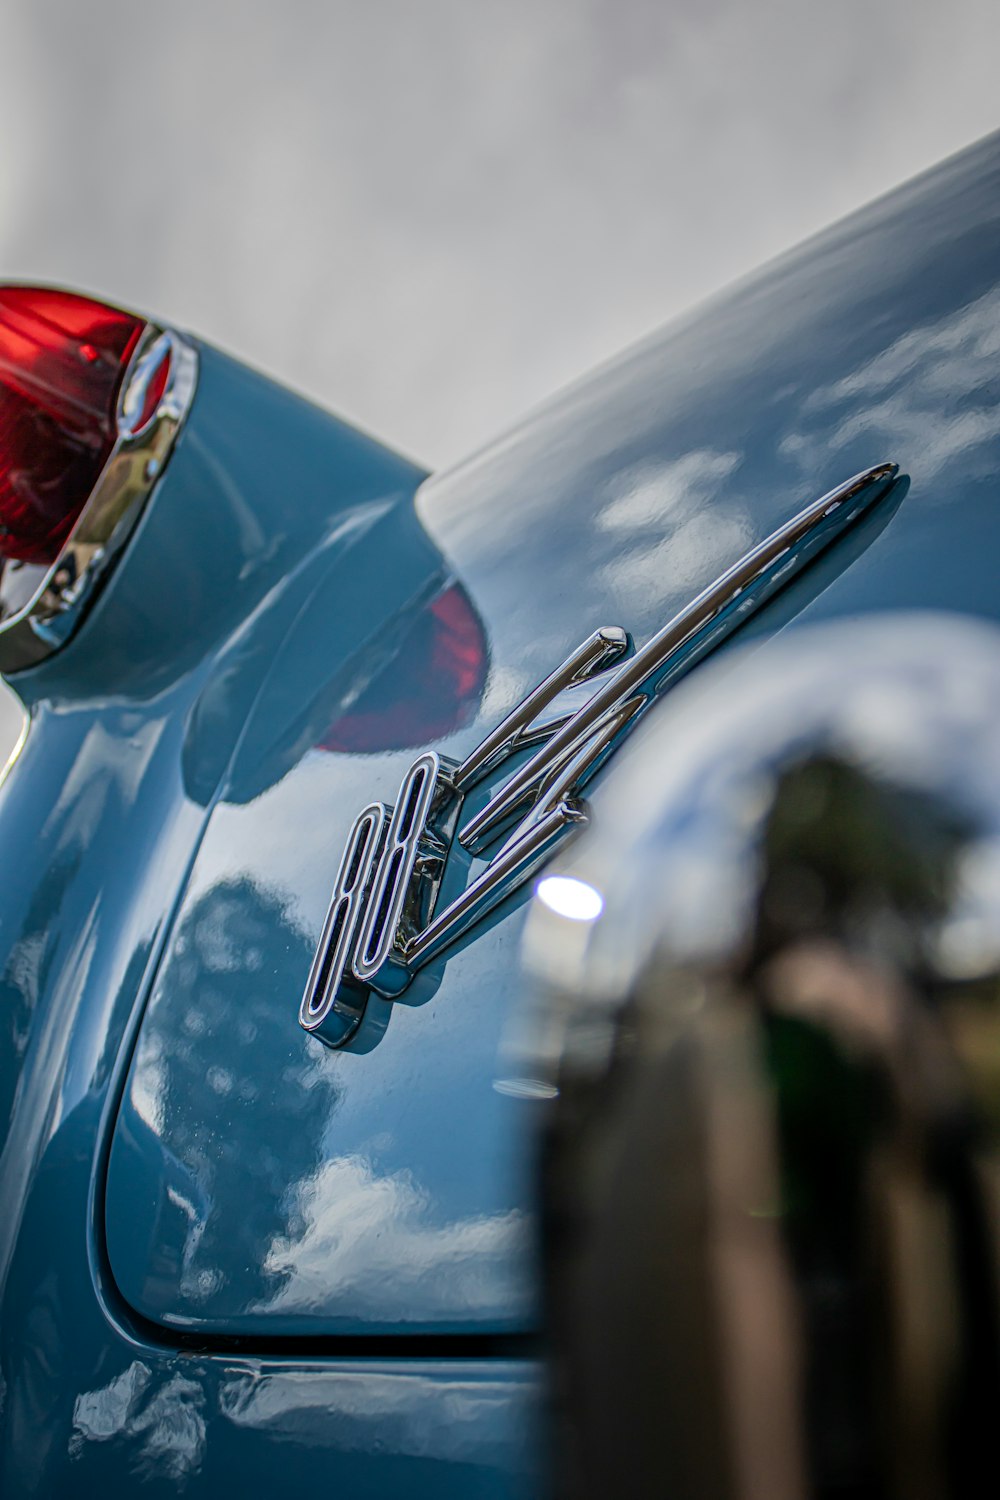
261	1183
257	1184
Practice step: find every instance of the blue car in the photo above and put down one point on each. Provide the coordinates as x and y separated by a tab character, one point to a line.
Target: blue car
306	728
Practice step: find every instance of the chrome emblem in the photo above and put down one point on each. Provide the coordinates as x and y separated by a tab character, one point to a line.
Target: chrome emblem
386	920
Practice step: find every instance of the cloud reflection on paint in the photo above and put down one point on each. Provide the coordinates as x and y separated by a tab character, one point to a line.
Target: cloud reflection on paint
164	1423
931	394
355	1224
466	1420
664	519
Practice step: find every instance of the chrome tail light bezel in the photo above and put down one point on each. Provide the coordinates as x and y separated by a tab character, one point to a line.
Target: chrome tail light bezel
43	604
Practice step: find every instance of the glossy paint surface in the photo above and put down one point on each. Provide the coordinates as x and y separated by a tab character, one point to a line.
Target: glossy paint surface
176	819
131	729
876	341
259	1183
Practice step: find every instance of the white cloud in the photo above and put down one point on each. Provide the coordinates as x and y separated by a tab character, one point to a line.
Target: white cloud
431	216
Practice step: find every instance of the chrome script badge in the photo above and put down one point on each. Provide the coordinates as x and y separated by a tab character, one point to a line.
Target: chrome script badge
386	921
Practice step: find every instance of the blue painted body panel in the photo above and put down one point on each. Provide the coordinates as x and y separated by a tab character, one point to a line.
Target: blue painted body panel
176	822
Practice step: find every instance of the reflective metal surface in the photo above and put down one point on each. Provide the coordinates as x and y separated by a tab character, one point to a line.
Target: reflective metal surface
773	1160
383	923
596	654
42	606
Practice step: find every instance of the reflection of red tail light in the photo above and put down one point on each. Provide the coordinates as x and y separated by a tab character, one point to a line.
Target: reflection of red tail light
62	359
430	688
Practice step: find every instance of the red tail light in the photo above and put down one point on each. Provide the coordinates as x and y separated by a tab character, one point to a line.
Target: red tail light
62	361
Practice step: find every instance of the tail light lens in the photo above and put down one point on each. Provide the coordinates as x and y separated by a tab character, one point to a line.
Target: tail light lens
62	362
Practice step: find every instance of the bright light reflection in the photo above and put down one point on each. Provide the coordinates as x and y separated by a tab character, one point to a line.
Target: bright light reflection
571	898
525	1088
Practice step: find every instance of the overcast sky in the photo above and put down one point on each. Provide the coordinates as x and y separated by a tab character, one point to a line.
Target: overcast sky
429	215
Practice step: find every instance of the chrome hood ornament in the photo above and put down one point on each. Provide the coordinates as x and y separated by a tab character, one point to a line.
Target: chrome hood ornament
387	920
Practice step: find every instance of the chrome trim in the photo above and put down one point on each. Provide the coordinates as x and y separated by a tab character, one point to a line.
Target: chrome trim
555	814
326	1009
401	930
516	862
382	933
591	657
56	597
743	588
